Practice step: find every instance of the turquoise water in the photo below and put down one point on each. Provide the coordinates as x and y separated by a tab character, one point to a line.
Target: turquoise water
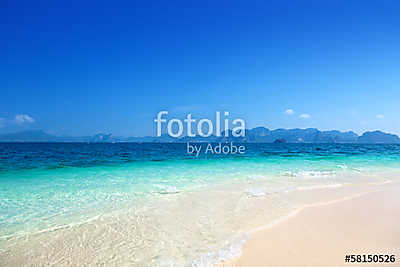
43	186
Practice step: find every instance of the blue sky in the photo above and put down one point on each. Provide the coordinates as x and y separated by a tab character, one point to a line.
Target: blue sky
82	67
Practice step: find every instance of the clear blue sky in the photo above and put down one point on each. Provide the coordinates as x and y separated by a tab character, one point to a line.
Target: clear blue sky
82	67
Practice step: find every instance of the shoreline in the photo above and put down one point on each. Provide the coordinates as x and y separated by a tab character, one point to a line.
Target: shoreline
237	206
314	235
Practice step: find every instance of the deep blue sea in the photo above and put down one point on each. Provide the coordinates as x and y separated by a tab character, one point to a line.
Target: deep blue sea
45	185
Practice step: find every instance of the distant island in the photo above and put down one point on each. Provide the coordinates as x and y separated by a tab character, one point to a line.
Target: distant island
255	135
280	141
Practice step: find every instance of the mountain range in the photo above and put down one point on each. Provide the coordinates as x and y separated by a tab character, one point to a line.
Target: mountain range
255	135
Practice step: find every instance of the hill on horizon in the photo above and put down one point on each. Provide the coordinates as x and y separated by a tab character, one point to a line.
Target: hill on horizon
255	135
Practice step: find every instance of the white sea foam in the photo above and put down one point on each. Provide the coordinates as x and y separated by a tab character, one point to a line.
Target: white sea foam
262	192
311	187
229	251
165	189
310	174
256	192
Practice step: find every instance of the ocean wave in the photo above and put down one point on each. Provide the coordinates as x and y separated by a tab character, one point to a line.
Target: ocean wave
311	187
25	233
228	252
255	192
310	174
262	192
166	189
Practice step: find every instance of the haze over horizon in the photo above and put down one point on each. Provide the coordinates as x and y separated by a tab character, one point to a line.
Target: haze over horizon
79	68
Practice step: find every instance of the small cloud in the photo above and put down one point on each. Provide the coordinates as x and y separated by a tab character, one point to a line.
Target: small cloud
22	118
380	116
304	116
289	112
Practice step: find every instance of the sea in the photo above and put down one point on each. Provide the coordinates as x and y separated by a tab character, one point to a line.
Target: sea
183	209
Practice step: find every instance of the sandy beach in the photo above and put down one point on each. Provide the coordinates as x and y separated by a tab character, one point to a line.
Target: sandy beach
328	223
322	234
